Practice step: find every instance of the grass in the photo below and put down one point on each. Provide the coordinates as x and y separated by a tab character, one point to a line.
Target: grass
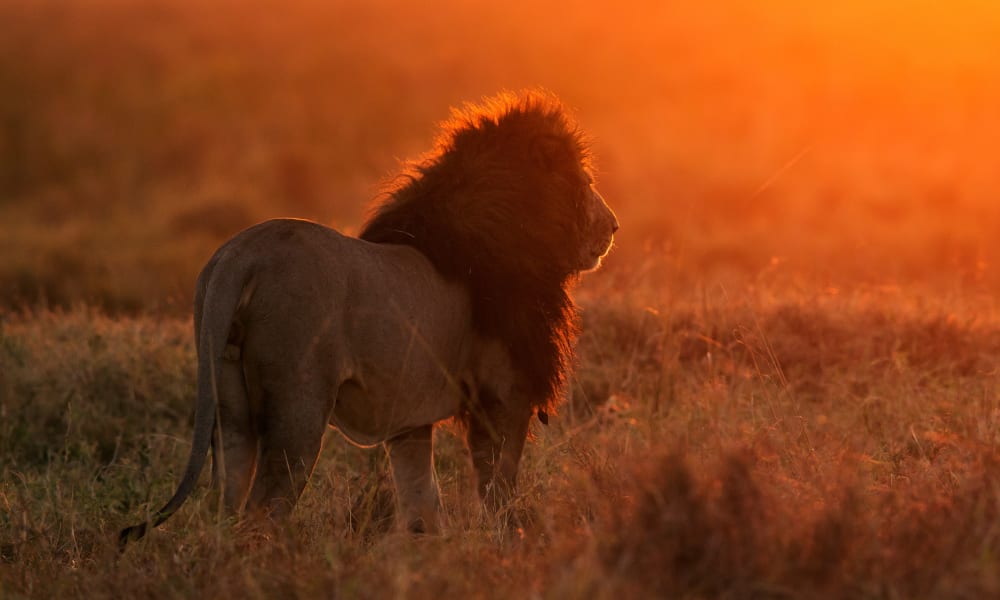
822	446
787	383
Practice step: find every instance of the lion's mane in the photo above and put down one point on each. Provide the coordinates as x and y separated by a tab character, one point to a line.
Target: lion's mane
496	206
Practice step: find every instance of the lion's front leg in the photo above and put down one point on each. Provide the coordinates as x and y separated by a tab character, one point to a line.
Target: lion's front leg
417	496
496	437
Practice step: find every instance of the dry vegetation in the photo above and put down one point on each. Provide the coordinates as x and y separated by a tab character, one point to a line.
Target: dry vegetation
841	447
789	377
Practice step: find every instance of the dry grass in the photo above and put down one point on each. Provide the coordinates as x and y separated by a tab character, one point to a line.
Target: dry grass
818	447
788	379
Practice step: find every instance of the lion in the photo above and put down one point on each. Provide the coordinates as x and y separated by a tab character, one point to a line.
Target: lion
452	302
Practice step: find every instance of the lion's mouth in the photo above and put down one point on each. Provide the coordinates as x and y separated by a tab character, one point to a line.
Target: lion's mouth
598	253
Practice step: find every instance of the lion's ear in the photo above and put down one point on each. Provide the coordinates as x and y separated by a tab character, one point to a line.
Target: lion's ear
551	153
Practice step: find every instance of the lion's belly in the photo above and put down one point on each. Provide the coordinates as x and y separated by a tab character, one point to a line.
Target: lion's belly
368	417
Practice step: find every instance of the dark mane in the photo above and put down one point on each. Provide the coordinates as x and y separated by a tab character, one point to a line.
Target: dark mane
497	206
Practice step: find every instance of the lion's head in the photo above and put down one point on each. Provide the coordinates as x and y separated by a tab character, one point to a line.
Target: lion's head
506	204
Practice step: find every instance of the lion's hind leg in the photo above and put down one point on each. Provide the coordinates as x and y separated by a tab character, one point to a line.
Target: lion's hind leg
234	460
418	498
292	424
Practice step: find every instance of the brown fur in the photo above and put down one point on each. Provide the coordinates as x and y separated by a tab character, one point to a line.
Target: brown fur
496	206
460	308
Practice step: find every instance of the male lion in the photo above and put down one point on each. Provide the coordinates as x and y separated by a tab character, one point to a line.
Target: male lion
453	302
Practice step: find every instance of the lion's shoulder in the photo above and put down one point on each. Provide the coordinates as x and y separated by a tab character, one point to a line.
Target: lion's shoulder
494	208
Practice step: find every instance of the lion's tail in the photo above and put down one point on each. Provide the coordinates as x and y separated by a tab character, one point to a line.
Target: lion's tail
221	293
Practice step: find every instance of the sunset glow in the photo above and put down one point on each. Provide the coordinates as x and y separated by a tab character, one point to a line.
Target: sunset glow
786	379
726	134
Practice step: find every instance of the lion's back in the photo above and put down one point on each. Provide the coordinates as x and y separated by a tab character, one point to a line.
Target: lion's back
321	306
302	276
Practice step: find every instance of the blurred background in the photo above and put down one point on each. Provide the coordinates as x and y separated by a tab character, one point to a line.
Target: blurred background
817	146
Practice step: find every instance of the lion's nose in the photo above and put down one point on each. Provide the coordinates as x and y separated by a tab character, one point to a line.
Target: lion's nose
614	223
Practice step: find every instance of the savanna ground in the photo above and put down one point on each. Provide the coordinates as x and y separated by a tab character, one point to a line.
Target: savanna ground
788	383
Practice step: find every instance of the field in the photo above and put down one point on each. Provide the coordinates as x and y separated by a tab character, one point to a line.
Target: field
788	380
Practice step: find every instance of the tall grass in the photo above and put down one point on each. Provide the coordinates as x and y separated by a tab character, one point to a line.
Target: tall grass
822	446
